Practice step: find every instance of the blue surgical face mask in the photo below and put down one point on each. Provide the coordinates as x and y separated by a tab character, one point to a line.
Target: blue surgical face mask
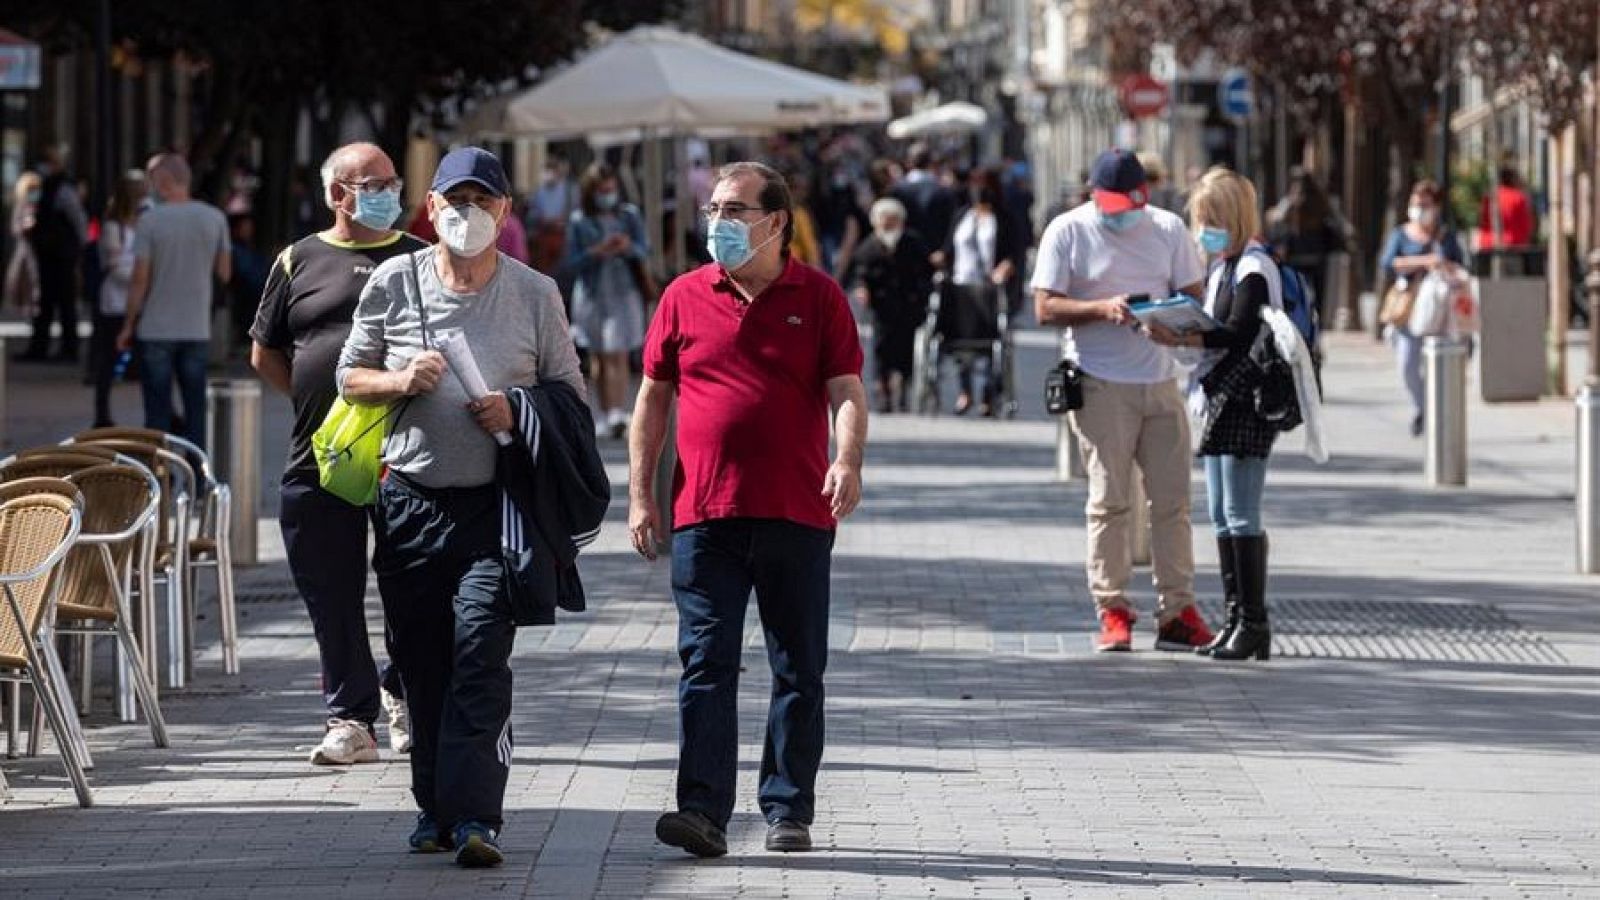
1122	221
1214	240
728	242
607	200
377	210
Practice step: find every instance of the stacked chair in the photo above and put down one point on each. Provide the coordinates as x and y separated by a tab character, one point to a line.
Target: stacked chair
38	527
87	527
194	534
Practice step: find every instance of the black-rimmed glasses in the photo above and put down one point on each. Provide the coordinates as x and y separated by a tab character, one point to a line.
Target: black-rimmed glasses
728	210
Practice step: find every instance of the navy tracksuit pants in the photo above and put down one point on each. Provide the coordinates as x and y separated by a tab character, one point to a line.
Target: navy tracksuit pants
444	595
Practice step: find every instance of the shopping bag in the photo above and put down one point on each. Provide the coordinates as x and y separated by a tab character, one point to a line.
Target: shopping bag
348	446
1430	313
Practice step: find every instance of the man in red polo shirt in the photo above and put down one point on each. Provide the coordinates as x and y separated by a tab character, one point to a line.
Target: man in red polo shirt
759	349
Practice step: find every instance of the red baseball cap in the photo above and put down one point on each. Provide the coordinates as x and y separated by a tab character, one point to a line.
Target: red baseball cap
1117	182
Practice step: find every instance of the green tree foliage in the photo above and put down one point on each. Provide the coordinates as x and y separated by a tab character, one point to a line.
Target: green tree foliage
262	63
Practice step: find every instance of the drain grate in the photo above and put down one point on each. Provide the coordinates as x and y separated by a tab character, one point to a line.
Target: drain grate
1403	630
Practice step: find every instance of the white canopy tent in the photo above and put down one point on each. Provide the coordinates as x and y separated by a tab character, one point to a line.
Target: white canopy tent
660	78
958	117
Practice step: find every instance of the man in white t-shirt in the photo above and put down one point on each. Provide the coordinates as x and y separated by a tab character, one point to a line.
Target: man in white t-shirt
1093	261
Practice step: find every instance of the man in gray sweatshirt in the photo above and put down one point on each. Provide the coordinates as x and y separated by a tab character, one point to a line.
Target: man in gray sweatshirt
437	529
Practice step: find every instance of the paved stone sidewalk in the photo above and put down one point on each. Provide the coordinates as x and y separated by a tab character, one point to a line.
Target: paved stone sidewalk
1428	726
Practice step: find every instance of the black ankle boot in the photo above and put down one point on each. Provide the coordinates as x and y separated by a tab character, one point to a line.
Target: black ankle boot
1253	636
1230	595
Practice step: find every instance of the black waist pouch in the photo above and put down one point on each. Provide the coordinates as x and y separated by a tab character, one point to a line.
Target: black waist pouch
1063	388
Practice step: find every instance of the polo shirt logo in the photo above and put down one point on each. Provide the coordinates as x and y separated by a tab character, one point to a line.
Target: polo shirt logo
794	320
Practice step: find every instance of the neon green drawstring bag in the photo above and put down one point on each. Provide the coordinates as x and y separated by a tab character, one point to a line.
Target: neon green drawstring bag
348	446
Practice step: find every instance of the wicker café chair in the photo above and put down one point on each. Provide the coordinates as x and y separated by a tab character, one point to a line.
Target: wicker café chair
119	503
167	557
11	490
36	532
61	462
210	544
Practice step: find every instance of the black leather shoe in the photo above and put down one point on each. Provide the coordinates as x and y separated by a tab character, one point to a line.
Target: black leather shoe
693	832
788	836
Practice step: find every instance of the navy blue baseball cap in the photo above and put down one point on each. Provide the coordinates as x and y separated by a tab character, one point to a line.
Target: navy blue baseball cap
471	164
1117	182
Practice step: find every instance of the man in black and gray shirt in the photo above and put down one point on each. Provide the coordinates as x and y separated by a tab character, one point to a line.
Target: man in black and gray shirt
299	332
438	523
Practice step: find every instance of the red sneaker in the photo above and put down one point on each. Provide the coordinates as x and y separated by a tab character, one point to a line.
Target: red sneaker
1185	633
1116	630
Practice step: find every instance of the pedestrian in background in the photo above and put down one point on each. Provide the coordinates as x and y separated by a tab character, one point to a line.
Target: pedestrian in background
180	246
60	229
985	250
891	273
1518	227
111	308
300	329
1235	440
22	269
606	252
930	205
438	523
550	206
1092	261
757	348
1420	245
1304	232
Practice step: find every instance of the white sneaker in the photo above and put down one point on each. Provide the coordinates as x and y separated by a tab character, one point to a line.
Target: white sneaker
399	723
346	743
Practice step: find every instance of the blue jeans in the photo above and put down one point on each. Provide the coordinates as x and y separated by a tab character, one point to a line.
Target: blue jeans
159	363
714	566
1233	487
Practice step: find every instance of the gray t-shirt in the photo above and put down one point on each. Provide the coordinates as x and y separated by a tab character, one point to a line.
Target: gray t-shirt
181	242
518	334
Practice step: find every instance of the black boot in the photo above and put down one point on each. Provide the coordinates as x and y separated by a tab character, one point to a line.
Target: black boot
1230	594
1253	636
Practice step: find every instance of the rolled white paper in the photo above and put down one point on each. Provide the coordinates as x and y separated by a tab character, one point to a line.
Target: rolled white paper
456	352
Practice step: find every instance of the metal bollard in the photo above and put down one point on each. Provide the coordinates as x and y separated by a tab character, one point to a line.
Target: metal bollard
1069	460
1589	479
1445	363
233	438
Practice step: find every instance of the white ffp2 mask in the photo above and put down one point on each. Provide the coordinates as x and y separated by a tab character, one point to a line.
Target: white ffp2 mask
466	230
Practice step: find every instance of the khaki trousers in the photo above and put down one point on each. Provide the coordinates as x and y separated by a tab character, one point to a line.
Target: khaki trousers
1121	424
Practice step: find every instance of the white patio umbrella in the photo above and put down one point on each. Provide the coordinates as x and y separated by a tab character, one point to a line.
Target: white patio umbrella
958	117
675	83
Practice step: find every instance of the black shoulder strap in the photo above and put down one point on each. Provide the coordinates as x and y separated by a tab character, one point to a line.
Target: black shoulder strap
422	306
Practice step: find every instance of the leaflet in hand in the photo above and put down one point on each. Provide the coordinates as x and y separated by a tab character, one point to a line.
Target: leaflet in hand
1181	314
453	347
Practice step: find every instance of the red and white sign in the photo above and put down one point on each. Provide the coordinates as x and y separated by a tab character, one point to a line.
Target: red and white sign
1143	96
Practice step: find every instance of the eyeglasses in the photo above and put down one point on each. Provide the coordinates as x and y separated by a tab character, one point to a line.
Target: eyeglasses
375	185
728	210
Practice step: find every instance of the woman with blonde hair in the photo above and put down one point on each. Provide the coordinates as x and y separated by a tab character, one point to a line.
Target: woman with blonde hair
1235	440
22	271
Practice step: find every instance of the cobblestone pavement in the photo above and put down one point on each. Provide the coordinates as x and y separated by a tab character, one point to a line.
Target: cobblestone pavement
1427	727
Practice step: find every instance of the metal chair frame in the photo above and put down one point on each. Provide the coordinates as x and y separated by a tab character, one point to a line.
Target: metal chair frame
43	669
